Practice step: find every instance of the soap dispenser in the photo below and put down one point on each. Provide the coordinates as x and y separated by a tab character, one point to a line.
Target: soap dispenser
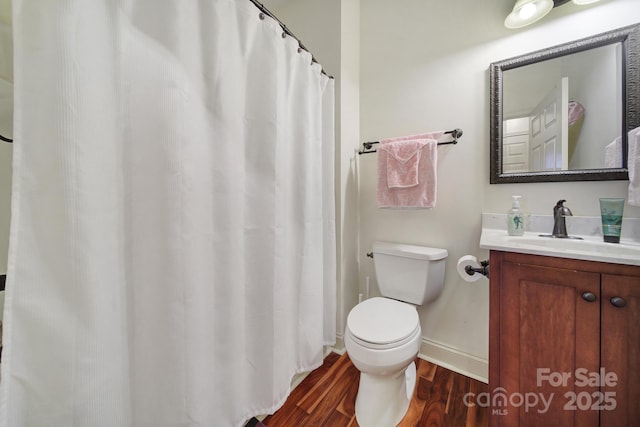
515	224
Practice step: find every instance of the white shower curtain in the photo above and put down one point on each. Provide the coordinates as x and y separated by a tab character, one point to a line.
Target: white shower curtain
172	248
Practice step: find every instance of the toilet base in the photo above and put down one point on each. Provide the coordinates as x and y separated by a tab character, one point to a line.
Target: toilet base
382	401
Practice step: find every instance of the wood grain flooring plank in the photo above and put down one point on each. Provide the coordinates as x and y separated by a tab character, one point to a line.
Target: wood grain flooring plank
337	419
477	416
347	405
303	388
314	377
328	399
426	369
450	389
424	388
414	413
286	417
322	387
433	415
331	400
456	410
438	391
436	397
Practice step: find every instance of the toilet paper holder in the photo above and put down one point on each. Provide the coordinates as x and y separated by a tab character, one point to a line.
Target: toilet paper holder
483	269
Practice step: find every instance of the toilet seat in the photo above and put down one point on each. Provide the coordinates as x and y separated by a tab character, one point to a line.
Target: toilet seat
382	323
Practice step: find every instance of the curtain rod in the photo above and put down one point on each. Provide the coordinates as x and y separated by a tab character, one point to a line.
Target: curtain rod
287	31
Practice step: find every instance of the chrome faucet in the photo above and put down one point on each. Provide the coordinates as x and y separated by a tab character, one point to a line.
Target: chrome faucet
559	223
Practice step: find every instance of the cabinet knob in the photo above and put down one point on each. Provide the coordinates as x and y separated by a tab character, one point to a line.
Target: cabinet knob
618	302
588	296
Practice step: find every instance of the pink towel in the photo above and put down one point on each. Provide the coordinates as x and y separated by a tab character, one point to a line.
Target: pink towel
403	160
633	166
576	110
422	195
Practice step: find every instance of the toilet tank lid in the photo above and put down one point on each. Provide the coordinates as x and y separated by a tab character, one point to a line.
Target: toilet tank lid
409	251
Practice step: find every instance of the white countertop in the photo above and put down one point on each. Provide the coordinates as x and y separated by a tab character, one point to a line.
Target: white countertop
591	247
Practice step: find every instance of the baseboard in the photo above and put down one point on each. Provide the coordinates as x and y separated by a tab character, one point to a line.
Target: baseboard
339	347
443	355
455	360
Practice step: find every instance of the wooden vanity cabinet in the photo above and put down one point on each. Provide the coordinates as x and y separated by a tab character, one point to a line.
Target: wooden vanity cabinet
564	342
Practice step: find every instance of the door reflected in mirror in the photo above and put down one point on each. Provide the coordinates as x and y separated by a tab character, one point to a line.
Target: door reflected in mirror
564	113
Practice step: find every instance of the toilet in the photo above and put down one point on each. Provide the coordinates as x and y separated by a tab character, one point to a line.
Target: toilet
383	334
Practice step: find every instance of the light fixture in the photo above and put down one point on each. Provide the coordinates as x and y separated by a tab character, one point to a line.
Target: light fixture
527	12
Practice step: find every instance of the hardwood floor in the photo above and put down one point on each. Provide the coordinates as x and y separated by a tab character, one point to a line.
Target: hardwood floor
327	397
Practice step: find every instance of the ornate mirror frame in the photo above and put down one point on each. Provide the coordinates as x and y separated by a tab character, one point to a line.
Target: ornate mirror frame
629	37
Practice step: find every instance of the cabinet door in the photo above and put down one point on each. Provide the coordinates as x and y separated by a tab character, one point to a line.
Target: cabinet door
620	352
549	327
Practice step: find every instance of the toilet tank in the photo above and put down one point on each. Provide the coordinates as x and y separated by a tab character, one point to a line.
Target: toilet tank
413	274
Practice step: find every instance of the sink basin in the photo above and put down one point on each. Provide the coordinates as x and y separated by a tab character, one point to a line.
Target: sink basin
590	248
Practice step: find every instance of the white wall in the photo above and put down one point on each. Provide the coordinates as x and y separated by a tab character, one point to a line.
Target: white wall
425	67
349	128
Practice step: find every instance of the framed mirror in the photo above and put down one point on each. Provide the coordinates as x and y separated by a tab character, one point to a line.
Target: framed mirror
563	113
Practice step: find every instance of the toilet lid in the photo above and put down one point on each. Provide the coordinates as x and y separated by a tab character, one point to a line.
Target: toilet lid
382	320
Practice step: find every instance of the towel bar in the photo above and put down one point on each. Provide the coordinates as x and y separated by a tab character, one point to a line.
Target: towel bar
455	134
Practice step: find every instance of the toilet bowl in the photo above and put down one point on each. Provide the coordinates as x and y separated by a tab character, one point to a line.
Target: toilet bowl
383	334
382	339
